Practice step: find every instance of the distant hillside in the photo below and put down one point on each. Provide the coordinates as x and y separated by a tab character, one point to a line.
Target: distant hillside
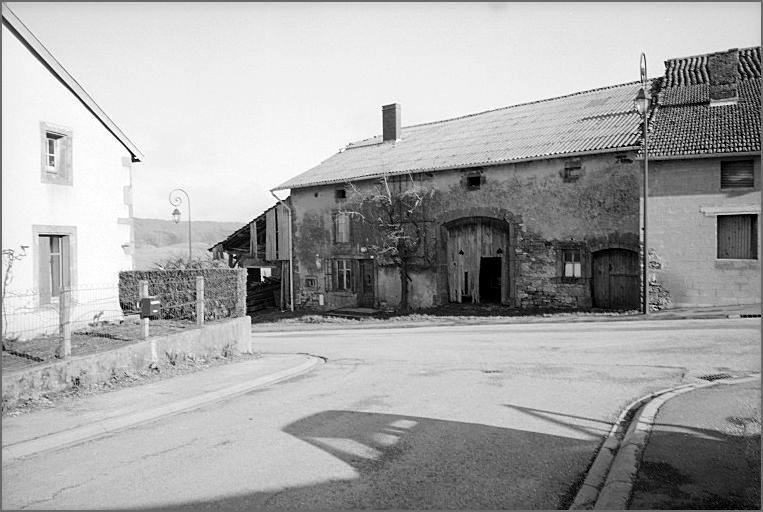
158	240
161	233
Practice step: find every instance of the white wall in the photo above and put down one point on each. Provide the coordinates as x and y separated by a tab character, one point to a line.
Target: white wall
95	201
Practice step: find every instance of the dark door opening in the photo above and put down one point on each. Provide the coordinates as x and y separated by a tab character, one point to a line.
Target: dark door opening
366	296
490	280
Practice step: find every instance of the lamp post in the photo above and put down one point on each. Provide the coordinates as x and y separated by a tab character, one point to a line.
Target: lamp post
641	103
176	200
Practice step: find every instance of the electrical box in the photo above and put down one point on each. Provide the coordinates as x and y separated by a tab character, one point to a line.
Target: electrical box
150	307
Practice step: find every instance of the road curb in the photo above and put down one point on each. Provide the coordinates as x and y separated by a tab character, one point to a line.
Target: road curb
609	482
110	425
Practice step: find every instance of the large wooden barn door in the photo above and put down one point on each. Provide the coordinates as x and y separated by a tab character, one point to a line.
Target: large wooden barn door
616	282
469	245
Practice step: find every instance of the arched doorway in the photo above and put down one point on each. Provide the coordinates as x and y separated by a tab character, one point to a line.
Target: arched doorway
616	283
478	260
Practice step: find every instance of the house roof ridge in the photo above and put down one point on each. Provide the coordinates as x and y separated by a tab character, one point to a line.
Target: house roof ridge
356	144
39	50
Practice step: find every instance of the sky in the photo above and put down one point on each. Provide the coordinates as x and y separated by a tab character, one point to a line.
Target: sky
229	100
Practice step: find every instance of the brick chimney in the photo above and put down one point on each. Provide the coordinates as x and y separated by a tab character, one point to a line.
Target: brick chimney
391	122
722	71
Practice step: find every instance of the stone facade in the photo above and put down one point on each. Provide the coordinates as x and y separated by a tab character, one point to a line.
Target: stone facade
544	207
685	200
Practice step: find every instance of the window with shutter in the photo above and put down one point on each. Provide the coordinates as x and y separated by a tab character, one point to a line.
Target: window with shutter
342	228
737	237
737	174
55	266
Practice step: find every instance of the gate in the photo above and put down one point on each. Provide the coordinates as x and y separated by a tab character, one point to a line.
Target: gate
616	281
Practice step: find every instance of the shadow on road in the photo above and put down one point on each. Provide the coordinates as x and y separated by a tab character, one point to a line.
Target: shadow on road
688	468
411	462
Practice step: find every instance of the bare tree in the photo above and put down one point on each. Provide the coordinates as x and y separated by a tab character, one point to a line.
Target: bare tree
392	218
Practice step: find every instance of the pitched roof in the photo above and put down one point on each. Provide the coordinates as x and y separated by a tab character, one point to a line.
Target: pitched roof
685	124
592	121
28	39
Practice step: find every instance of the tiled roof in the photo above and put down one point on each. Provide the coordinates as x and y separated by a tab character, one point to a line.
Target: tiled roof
597	120
693	70
685	124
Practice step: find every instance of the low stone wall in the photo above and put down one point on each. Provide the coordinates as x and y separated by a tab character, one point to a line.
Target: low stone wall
211	339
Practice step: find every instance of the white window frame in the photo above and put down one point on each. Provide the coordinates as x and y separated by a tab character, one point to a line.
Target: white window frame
572	269
53	138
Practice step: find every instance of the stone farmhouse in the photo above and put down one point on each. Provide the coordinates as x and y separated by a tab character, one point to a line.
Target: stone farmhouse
537	207
704	179
67	207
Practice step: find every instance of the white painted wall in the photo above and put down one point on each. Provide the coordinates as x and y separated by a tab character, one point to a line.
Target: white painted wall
95	201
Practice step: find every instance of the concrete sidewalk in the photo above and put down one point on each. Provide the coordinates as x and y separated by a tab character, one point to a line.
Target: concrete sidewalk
426	320
81	419
703	451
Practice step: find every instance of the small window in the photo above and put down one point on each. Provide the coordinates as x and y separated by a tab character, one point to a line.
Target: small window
53	151
342	228
340	193
311	282
473	182
344	275
56	154
571	263
573	170
737	237
737	174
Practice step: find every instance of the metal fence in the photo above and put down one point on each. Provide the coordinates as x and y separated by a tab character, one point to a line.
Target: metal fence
27	314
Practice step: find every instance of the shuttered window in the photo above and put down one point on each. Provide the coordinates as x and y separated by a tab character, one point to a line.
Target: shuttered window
737	174
342	228
343	275
738	237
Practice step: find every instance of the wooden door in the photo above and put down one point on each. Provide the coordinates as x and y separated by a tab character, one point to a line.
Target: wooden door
616	283
366	289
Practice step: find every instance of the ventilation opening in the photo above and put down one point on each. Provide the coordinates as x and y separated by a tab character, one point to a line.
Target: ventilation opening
715	376
750	315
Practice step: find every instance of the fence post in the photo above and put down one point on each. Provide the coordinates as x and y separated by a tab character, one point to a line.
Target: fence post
143	293
199	300
64	323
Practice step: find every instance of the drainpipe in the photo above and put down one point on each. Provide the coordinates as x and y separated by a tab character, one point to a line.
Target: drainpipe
291	256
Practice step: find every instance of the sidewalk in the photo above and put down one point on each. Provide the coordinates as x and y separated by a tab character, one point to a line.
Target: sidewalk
703	451
316	322
82	419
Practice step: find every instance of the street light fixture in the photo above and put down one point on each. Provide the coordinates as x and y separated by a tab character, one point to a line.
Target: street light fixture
176	200
641	103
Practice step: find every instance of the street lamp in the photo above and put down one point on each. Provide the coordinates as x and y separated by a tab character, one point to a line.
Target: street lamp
641	104
176	200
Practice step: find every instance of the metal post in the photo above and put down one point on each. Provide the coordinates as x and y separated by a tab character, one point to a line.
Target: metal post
64	323
143	293
646	193
199	300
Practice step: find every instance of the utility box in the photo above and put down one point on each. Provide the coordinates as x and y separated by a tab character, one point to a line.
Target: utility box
150	307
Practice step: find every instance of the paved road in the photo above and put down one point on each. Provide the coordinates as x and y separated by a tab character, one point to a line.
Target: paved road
450	417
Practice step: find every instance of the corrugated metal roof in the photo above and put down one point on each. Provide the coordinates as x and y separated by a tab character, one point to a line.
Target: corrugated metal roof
34	45
590	121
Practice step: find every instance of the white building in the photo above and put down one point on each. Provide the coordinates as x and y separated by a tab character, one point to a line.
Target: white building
66	211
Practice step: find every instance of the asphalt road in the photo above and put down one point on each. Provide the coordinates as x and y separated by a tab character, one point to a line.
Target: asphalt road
480	417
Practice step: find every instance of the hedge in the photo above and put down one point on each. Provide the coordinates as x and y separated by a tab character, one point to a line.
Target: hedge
224	292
